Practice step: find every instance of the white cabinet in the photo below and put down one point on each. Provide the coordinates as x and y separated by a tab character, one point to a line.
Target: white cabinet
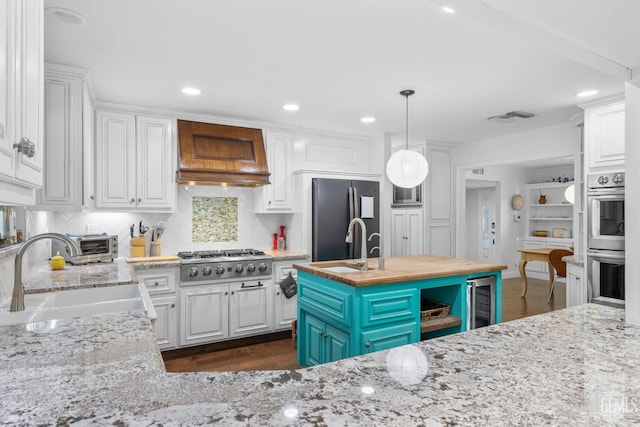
161	284
407	232
277	196
134	162
576	285
605	136
285	309
554	217
250	308
63	137
211	313
21	99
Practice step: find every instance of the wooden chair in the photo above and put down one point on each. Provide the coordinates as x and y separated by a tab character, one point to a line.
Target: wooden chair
555	258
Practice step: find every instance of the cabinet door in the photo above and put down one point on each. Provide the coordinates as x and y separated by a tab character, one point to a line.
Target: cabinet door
314	342
398	233
204	314
277	195
88	159
337	344
605	129
389	337
29	84
7	88
285	310
156	186
62	189
250	308
165	326
115	160
415	232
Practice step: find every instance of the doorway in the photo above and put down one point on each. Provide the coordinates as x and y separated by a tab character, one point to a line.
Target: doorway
482	243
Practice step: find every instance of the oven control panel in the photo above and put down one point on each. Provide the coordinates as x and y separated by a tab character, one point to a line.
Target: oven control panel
605	180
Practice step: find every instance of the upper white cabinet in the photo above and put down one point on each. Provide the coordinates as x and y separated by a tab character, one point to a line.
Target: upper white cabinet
21	94
276	197
134	162
604	136
63	127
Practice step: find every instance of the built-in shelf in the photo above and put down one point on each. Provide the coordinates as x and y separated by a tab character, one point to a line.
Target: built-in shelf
440	323
555	216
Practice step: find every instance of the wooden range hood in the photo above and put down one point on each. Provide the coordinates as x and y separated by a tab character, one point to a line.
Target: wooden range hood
213	154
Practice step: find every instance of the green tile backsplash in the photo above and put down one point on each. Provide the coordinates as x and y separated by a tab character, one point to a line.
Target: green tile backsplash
214	219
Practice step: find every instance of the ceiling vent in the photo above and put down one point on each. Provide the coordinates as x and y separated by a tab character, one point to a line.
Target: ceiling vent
511	116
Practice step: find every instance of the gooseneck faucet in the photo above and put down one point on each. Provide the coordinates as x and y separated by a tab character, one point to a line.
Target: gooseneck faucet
362	262
17	300
379	248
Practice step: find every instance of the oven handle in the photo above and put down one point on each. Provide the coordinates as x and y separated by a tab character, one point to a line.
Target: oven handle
252	286
599	255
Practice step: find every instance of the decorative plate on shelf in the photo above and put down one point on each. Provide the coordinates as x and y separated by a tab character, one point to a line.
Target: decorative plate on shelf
517	202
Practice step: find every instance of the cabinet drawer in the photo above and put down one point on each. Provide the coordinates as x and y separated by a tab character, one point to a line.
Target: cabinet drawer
158	281
282	272
326	301
385	338
382	308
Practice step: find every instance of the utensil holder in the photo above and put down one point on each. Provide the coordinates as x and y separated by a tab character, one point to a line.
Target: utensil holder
155	248
138	246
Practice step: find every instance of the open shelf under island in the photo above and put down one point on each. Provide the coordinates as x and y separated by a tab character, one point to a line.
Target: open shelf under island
344	313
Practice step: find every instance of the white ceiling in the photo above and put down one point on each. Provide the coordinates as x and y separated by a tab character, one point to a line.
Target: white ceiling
341	60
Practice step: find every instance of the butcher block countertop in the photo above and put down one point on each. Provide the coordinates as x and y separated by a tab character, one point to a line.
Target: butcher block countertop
399	269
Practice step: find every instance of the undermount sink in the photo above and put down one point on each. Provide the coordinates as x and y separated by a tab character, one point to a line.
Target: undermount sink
79	303
341	269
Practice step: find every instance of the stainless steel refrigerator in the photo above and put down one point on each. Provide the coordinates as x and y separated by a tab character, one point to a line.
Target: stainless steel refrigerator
335	202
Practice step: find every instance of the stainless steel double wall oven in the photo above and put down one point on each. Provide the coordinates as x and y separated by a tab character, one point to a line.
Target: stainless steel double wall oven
605	238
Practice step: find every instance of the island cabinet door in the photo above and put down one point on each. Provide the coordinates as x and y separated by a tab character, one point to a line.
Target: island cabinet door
322	342
389	337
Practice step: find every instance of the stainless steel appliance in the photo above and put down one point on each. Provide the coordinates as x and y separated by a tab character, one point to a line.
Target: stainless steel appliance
605	238
481	296
605	216
91	248
225	265
335	202
407	197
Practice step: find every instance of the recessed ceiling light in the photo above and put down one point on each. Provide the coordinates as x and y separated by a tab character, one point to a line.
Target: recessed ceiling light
585	93
447	9
291	107
368	119
66	16
191	91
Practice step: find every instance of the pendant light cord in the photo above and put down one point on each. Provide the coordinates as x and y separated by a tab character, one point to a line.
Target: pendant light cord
407	93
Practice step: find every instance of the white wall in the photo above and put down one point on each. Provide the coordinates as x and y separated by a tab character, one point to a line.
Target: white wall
632	204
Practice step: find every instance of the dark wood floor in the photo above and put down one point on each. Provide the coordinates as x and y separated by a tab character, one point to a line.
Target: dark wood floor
279	354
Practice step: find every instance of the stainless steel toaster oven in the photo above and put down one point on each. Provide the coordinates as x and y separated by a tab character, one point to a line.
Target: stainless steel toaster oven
91	248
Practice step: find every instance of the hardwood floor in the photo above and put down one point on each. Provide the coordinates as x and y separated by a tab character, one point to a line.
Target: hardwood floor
279	354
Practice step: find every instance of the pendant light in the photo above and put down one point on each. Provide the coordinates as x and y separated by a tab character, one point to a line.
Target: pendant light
405	168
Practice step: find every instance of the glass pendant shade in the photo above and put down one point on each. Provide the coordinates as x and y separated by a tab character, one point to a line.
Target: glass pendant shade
407	169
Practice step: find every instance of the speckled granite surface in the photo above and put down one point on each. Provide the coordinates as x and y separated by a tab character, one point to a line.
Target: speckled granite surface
80	276
285	255
574	259
578	366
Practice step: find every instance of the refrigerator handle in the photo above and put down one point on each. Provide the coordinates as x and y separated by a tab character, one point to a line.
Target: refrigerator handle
356	205
351	216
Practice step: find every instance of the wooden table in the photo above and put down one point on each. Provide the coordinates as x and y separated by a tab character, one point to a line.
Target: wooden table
534	255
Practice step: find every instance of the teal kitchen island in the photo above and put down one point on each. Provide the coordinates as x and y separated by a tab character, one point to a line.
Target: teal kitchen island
343	312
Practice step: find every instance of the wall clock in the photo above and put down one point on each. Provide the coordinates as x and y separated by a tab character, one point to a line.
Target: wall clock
517	202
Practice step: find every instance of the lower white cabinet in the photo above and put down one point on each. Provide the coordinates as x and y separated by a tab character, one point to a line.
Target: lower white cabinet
210	313
576	285
161	284
285	309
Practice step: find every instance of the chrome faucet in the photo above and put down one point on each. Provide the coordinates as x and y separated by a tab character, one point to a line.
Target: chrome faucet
379	248
17	300
362	262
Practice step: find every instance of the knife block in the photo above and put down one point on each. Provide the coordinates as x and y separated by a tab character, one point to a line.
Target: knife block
138	246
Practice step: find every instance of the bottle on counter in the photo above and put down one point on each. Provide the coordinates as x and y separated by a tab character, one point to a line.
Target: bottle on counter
282	240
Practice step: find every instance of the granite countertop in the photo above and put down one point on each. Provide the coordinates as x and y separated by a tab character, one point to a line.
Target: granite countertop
574	259
578	366
42	279
399	269
285	255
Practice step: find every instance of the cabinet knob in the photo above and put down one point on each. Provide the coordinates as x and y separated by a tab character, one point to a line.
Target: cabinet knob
367	345
139	199
173	305
132	200
156	284
278	293
92	197
226	293
26	147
